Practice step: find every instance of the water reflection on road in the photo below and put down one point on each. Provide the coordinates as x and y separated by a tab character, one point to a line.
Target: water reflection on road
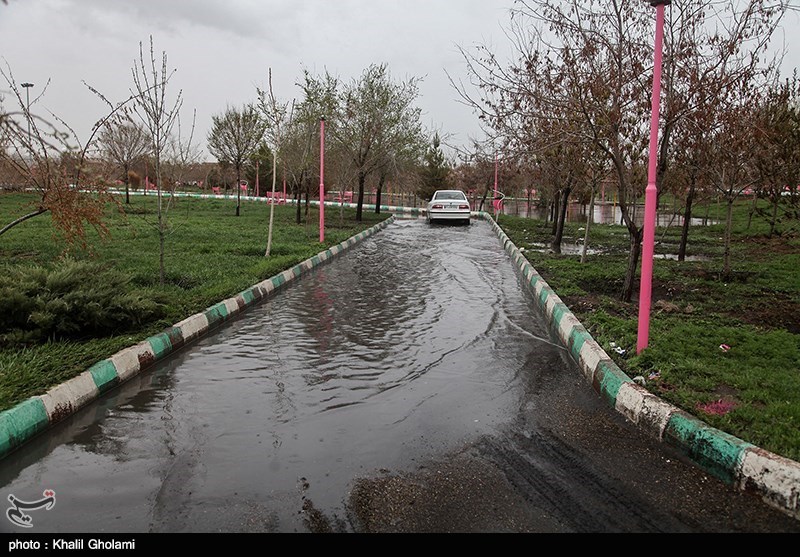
414	341
417	352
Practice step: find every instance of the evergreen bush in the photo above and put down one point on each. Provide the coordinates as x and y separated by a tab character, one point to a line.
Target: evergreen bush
70	300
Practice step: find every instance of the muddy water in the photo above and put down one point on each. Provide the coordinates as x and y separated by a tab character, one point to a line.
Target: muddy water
407	386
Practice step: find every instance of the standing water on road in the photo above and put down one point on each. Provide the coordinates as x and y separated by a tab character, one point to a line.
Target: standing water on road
408	385
410	343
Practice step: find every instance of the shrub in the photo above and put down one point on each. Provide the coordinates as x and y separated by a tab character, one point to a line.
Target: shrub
72	300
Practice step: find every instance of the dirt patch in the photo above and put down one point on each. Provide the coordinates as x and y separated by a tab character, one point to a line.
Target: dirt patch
777	312
585	304
761	248
719	276
465	494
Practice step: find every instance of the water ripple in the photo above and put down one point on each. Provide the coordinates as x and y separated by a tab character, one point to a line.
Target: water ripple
415	302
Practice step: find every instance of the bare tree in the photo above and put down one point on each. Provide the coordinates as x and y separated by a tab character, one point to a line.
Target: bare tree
234	137
124	144
158	116
732	148
402	140
400	159
300	145
275	116
777	154
180	156
712	48
590	59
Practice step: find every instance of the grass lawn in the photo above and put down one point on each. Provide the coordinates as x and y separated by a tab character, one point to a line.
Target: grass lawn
210	255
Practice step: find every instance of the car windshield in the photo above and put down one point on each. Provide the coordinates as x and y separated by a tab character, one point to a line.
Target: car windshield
440	195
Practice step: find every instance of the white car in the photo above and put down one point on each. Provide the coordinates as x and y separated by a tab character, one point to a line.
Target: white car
448	205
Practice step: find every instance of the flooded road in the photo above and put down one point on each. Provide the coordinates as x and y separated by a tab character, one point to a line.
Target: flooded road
410	385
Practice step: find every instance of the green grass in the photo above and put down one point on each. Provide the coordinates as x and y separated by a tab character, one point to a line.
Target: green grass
210	255
756	312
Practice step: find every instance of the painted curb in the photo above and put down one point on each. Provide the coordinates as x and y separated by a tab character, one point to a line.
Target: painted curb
24	421
774	478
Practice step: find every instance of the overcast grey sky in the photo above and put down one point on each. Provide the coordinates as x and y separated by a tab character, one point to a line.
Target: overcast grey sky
222	50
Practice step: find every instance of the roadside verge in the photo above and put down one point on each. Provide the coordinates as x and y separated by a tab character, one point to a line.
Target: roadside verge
774	478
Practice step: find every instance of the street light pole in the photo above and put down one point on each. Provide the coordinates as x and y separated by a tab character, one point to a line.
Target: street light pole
494	201
651	193
27	87
321	180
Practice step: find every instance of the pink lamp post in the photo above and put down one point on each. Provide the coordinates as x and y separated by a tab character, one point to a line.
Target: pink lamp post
495	176
651	193
321	180
494	197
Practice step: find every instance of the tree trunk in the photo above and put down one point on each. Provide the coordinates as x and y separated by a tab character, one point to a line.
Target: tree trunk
561	218
298	196
528	206
238	190
483	199
378	196
272	202
161	228
127	185
774	222
633	263
588	225
726	261
687	218
162	274
360	206
751	212
554	212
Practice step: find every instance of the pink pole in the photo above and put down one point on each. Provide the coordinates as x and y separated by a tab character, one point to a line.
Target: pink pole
321	180
650	199
495	174
494	201
284	184
257	192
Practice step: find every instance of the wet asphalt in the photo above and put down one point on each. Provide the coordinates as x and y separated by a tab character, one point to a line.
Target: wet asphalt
411	385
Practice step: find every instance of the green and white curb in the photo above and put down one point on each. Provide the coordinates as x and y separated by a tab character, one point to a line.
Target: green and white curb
776	479
36	414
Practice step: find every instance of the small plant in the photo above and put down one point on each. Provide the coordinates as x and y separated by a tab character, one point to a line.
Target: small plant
73	300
